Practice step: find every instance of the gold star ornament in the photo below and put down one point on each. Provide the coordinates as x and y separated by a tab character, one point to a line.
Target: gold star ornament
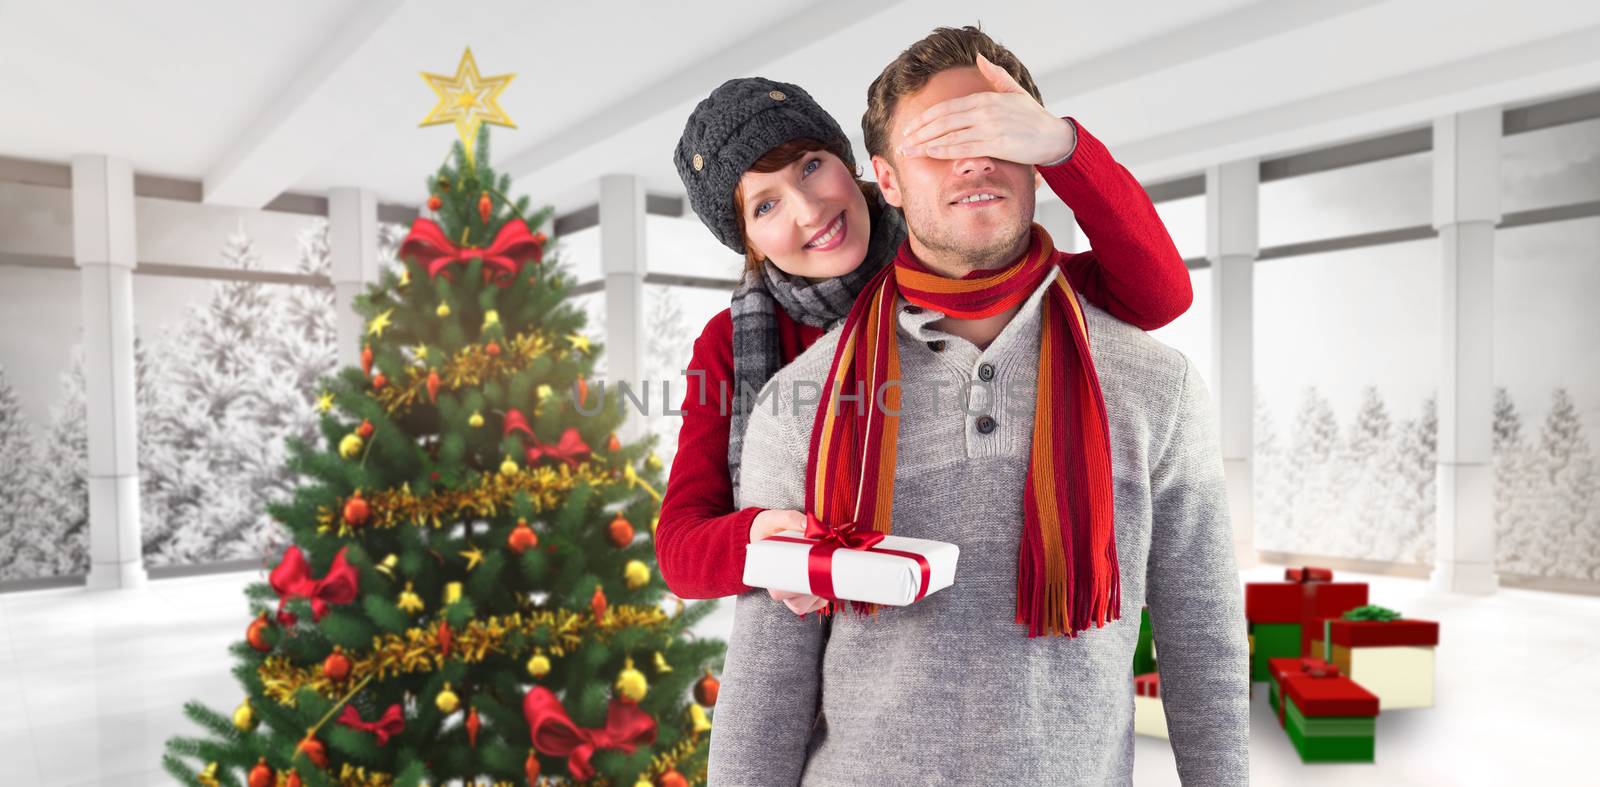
325	402
468	100
474	556
378	324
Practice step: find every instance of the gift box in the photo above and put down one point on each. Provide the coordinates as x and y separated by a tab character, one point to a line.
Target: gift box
894	571
1149	718
1328	717
1272	641
1280	668
1392	659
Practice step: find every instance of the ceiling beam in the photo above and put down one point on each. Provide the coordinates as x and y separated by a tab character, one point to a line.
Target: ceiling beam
291	133
616	133
1555	65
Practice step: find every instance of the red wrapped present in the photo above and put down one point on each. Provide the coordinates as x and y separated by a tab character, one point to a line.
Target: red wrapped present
1392	659
1149	717
1147	685
1323	600
1272	602
1329	694
1328	717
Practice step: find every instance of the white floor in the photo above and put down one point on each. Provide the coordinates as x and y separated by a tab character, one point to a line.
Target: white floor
91	685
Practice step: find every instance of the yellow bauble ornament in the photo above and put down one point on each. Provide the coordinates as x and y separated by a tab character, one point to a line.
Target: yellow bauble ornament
653	461
636	574
539	665
409	600
447	701
491	317
508	467
244	716
544	391
643	783
443	310
631	683
476	420
350	446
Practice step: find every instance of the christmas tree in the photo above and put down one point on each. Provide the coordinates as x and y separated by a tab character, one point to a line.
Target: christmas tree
471	592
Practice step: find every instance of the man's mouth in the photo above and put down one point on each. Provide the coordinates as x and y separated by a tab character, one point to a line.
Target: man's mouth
830	237
978	199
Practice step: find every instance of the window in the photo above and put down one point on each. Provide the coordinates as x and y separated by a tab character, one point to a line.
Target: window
1379	195
1551	166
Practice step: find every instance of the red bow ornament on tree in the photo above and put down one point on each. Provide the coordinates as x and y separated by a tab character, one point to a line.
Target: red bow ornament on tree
554	733
571	449
512	248
390	724
292	579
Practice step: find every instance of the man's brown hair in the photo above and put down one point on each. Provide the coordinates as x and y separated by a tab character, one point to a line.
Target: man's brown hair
943	49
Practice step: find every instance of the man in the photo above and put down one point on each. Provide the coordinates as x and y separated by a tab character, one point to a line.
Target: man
1021	672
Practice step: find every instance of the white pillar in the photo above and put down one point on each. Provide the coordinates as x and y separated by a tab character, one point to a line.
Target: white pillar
1232	243
353	246
103	245
622	260
1466	208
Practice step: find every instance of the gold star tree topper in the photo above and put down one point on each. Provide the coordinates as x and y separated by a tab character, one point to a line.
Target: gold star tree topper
468	100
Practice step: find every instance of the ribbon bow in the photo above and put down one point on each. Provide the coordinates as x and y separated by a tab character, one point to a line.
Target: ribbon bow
1318	668
390	724
292	579
512	248
571	449
1305	574
554	733
843	536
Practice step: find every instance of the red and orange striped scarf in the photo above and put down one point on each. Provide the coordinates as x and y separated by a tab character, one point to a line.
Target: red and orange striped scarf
1067	575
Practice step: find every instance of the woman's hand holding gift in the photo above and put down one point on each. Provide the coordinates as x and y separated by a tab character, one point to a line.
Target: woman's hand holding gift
768	523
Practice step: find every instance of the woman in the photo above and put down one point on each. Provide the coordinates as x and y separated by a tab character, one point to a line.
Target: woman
772	176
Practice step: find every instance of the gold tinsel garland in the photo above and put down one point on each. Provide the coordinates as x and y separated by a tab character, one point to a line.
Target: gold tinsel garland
546	486
471	366
418	650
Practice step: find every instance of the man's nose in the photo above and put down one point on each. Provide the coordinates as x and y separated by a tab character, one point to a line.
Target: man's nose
977	165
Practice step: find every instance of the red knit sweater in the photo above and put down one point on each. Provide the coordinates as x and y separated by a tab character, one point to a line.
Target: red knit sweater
1133	271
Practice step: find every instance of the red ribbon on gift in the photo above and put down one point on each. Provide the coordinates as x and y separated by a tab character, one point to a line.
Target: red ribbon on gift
390	724
554	733
292	579
828	539
1317	668
571	449
512	248
1308	574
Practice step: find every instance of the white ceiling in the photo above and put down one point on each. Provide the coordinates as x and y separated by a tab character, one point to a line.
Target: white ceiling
261	98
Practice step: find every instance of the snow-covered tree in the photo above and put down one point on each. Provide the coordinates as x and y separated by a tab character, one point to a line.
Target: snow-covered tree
1312	471
1369	458
1415	481
1269	492
1521	494
19	493
1570	469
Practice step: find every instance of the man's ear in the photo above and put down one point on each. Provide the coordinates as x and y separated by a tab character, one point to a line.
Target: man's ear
888	182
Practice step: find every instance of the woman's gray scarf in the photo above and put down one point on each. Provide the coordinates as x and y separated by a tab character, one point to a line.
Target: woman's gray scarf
756	352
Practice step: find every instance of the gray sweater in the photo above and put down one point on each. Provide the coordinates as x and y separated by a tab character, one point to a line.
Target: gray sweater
951	690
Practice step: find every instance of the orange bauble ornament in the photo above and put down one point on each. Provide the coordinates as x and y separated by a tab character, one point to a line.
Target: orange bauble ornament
485	207
531	768
355	510
293	780
583	391
522	538
314	751
366	359
493	349
336	667
613	444
379	381
256	635
598	603
619	532
261	775
434	203
705	690
472	727
365	430
433	387
672	779
445	638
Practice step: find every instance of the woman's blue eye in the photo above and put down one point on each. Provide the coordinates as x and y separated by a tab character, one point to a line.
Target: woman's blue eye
763	208
811	166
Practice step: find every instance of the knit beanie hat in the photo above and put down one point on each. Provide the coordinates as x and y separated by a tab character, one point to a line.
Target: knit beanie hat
732	128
